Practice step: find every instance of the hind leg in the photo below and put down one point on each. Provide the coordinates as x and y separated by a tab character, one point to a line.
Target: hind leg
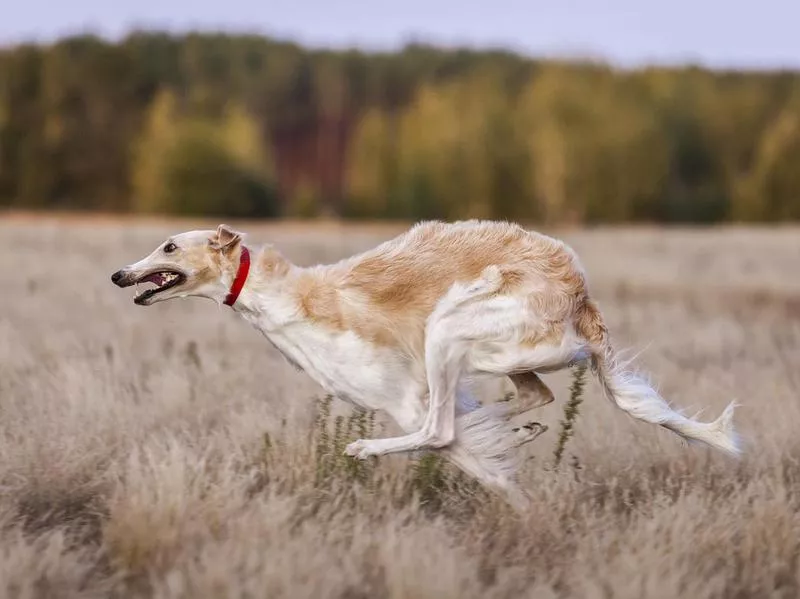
485	445
532	393
472	329
465	316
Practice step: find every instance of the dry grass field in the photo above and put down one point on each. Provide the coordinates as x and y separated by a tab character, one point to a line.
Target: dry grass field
170	452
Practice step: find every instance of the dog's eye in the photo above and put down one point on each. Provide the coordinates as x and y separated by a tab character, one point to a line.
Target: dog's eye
170	247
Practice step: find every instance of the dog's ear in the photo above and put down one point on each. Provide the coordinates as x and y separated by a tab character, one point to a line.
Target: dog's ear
225	239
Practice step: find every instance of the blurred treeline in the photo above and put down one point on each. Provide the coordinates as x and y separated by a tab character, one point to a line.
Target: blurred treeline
247	126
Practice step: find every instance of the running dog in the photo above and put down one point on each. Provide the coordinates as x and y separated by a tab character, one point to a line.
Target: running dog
404	327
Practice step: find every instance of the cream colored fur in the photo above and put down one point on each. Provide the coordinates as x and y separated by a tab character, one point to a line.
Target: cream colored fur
404	327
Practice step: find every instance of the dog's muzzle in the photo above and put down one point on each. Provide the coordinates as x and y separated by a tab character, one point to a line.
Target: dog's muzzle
120	278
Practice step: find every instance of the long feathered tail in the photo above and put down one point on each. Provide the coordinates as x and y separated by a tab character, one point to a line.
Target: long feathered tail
638	398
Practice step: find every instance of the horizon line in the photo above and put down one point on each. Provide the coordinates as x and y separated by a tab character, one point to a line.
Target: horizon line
570	54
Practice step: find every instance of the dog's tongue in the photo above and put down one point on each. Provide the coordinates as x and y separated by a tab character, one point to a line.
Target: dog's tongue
154	278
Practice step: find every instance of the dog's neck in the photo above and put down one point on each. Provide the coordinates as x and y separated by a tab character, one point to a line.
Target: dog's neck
266	291
289	305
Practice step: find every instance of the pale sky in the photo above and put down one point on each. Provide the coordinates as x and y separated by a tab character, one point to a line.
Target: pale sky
738	33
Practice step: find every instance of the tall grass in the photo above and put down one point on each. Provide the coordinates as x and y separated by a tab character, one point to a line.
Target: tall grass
169	452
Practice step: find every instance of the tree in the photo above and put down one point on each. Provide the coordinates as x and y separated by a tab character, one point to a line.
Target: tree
771	190
369	173
594	142
188	164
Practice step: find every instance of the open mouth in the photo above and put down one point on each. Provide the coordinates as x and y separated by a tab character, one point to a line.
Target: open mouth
163	280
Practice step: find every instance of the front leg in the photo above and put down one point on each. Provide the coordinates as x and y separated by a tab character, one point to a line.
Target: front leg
444	357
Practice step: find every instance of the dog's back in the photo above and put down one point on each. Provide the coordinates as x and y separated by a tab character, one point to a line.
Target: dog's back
386	294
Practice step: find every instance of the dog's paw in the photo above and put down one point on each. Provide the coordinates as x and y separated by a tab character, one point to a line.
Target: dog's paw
528	432
360	449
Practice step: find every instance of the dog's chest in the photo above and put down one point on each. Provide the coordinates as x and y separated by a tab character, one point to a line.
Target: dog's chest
344	364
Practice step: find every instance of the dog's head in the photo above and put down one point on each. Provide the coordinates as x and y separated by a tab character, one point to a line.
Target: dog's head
194	263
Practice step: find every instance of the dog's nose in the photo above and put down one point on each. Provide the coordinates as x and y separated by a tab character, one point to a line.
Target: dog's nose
116	276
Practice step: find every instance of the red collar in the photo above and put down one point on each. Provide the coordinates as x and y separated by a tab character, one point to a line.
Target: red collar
241	277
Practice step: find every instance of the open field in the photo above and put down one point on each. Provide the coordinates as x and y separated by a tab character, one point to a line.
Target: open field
170	452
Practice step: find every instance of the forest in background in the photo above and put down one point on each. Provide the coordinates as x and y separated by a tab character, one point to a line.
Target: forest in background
247	126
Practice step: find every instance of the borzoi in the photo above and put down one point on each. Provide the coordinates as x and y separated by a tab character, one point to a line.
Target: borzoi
404	327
